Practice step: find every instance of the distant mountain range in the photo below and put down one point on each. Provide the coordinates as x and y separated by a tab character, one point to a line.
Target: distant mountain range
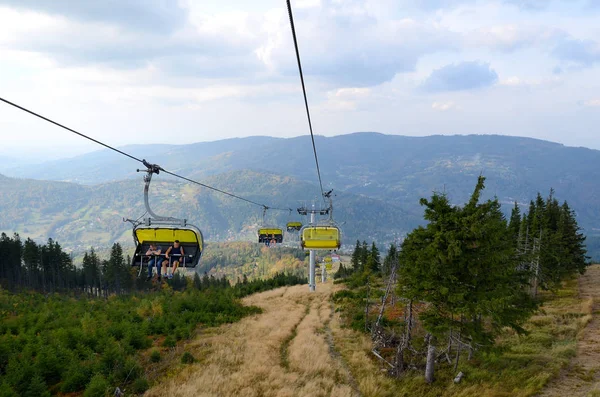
378	178
81	216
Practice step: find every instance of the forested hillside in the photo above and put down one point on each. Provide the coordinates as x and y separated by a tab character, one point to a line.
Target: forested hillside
379	180
92	216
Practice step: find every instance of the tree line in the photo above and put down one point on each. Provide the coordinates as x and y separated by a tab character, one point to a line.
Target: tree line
26	264
461	279
48	268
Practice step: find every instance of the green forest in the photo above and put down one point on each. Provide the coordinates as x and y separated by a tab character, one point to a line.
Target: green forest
65	329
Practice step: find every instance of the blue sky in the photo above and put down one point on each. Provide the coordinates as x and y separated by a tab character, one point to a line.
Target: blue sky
158	71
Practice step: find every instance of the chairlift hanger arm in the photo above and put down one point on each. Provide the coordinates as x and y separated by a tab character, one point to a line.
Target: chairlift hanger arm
155	169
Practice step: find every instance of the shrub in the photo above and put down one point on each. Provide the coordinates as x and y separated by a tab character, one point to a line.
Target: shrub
129	370
111	357
78	375
97	387
187	358
7	391
169	341
140	385
155	356
37	388
49	364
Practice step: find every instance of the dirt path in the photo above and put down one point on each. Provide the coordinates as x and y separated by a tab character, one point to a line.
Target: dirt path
582	377
284	351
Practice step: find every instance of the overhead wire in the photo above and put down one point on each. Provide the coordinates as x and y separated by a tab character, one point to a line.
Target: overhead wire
312	136
267	207
222	191
68	129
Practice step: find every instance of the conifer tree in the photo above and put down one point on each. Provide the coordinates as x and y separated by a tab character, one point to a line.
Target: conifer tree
356	256
390	259
364	255
462	265
373	261
515	222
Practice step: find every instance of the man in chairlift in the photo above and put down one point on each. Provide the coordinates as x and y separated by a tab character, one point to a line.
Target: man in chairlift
173	255
154	251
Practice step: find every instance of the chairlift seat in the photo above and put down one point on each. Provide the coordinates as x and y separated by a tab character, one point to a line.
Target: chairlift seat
320	237
268	233
189	238
294	226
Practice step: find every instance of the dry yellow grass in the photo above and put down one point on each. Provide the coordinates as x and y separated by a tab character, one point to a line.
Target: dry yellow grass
297	347
582	378
355	348
245	359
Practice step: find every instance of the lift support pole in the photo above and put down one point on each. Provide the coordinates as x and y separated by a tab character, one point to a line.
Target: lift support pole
311	271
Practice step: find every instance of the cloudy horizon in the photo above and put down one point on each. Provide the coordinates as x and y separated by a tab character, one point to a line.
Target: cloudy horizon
159	71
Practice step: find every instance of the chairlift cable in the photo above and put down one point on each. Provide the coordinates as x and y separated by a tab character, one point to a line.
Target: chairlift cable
289	7
137	159
68	129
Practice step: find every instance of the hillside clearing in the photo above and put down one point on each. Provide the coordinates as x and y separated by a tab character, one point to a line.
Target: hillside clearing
297	347
282	352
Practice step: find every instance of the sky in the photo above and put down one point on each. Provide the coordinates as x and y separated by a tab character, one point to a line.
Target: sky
168	71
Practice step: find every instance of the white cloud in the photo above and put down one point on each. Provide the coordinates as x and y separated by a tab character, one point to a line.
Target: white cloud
592	103
531	82
352	92
307	3
511	37
343	43
223	69
443	106
348	99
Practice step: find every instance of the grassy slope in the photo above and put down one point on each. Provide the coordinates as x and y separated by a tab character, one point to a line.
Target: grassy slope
282	352
519	366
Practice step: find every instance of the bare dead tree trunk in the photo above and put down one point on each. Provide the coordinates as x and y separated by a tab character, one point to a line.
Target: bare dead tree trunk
367	306
470	353
449	347
399	359
388	290
409	322
430	367
537	249
458	349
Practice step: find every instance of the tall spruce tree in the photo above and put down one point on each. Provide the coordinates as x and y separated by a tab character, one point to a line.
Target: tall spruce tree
463	266
364	255
373	260
356	257
514	224
390	259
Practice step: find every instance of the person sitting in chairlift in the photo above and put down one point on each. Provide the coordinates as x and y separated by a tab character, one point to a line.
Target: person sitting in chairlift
273	242
173	255
153	252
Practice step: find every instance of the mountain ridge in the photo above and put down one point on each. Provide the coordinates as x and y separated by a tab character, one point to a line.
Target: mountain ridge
394	170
